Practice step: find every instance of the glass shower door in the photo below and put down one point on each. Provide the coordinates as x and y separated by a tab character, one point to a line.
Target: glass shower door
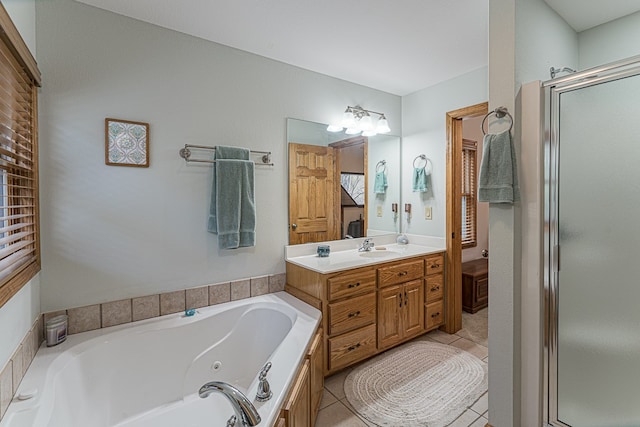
597	300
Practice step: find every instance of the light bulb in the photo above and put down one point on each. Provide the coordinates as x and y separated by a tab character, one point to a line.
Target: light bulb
347	118
352	131
365	123
334	128
383	125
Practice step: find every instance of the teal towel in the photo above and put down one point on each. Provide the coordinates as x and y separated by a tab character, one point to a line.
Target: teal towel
419	180
380	183
498	182
222	152
235	203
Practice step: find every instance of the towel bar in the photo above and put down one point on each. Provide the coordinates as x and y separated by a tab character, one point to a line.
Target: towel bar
185	153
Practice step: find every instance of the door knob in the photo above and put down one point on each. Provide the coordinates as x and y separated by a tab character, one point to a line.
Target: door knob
294	226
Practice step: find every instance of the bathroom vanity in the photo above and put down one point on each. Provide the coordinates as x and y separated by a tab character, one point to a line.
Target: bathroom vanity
370	301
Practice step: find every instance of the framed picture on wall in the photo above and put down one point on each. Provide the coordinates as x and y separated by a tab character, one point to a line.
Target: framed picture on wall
126	143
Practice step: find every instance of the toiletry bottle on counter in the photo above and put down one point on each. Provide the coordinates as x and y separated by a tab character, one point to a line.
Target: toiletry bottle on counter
56	330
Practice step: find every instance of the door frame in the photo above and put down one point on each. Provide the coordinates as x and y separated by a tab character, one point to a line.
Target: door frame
337	147
453	262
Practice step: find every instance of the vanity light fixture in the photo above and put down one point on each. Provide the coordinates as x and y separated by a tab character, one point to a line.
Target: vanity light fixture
356	120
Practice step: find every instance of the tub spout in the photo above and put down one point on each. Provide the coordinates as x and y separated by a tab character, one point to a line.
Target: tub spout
244	409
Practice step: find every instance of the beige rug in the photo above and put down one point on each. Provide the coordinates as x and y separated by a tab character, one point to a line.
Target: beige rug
421	383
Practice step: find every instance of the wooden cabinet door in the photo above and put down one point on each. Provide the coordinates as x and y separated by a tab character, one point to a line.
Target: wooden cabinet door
390	303
316	376
413	315
297	409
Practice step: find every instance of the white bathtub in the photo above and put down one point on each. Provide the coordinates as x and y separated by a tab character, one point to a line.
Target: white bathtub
148	373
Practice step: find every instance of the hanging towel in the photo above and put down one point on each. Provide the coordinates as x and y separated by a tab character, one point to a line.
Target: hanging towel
498	182
232	214
419	180
380	183
235	203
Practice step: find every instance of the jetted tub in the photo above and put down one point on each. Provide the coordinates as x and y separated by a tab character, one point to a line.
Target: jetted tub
148	373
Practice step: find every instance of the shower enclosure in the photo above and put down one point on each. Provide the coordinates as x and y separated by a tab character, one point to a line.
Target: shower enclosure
592	242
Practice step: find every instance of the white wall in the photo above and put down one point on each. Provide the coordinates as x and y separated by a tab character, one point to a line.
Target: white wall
471	129
610	42
526	38
387	148
118	232
19	313
424	132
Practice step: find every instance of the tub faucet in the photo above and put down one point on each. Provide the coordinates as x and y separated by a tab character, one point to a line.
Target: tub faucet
245	411
366	245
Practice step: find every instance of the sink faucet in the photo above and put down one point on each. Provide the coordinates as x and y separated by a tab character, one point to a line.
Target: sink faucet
245	411
366	245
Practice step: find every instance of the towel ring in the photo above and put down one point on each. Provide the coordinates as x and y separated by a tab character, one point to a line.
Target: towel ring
500	112
423	157
382	163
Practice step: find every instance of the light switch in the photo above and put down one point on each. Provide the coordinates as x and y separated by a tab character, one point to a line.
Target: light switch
379	210
427	212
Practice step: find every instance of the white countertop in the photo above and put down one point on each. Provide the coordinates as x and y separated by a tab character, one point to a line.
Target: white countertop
349	258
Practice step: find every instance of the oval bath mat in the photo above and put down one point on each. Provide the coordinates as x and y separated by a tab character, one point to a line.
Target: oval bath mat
421	383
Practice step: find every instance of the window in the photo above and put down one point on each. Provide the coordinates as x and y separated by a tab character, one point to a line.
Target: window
469	200
19	226
353	184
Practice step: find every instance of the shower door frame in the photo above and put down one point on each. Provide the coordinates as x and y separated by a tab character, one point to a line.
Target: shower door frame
551	121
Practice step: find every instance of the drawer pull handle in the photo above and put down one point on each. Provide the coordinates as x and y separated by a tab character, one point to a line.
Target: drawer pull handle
435	288
406	299
435	315
435	265
353	347
353	285
402	273
400	298
357	313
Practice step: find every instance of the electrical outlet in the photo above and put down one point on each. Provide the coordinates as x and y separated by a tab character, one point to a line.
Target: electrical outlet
427	212
379	210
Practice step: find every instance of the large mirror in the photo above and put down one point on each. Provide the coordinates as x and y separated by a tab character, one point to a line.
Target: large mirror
340	185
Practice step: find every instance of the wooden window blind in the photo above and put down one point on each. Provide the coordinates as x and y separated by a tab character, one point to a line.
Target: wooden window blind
469	200
19	220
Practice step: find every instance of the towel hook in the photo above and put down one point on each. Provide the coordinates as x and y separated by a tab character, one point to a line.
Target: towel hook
422	157
500	113
382	163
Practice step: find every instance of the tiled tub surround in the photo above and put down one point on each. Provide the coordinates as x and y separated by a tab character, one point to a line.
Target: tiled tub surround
82	319
123	363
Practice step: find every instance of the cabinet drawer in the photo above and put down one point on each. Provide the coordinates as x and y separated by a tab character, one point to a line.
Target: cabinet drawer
352	313
351	347
435	264
434	287
434	314
351	283
400	273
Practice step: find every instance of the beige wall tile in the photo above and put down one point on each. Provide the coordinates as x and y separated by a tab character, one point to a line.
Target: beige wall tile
17	371
277	282
240	289
259	285
40	332
6	387
172	302
116	313
145	307
219	293
83	319
197	297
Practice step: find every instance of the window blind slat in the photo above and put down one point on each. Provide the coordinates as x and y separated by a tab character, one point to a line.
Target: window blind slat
15	227
14	258
14	248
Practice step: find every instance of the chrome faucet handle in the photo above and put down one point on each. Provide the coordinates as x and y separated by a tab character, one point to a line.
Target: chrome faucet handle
264	389
231	422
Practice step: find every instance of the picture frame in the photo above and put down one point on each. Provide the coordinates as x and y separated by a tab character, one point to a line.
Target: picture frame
126	143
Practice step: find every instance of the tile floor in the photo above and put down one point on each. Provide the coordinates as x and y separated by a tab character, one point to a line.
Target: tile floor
335	410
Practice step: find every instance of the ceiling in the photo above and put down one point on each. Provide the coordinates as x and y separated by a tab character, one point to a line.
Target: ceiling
379	44
585	14
374	43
